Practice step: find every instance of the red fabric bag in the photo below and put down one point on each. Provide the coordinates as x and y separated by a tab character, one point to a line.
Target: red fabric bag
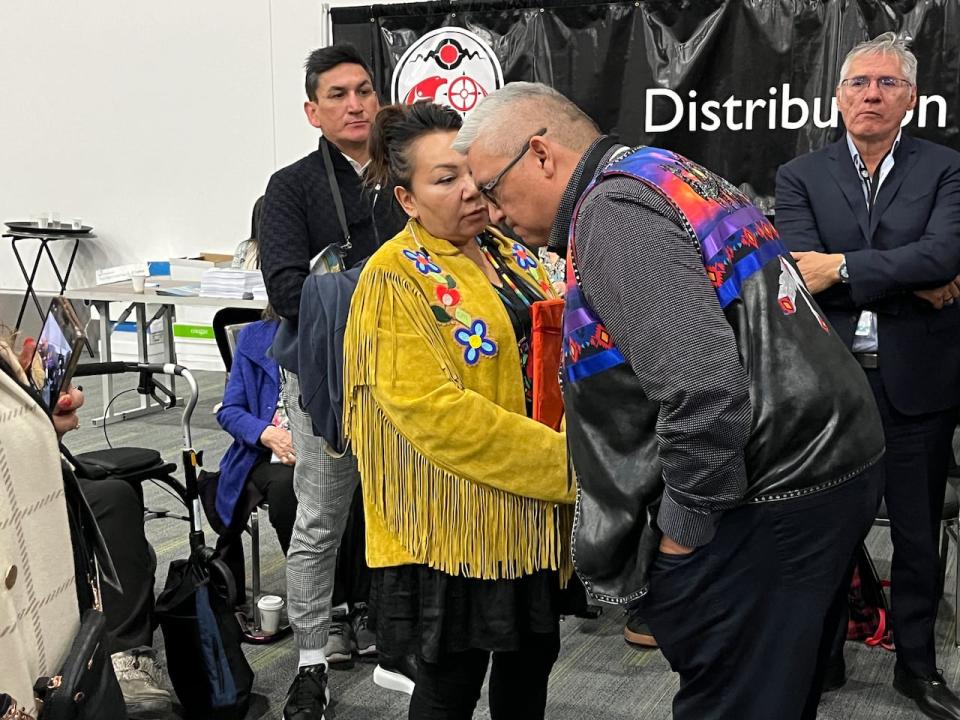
546	353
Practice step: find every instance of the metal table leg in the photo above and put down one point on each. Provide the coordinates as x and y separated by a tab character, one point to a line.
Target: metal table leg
146	404
106	355
29	277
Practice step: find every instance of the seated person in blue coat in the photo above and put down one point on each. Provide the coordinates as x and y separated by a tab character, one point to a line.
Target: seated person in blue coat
258	465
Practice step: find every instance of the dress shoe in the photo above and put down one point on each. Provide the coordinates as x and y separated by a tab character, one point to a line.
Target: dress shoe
931	694
637	633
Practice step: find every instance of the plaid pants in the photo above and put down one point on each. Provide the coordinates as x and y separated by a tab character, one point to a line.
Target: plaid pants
324	485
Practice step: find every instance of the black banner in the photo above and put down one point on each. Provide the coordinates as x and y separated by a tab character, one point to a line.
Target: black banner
740	86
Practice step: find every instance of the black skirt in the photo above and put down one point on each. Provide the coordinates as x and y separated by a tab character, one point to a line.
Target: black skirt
419	611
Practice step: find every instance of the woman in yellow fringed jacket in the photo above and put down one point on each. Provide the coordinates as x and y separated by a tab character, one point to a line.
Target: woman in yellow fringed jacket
467	501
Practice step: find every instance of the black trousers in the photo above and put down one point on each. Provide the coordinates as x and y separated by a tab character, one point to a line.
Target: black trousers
118	509
274	481
351	579
450	689
915	468
748	619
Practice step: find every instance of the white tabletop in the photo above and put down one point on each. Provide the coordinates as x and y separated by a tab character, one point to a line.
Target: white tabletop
122	292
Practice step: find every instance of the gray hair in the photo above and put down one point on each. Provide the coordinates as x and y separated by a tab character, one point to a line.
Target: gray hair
503	120
886	44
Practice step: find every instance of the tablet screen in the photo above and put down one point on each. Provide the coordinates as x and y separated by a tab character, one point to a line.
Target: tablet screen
60	338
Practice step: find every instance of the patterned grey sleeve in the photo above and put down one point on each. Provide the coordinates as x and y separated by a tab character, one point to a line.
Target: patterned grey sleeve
645	279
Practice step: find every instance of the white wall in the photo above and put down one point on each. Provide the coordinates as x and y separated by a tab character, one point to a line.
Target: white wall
157	123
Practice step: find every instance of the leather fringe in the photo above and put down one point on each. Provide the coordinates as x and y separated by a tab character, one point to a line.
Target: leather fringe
444	521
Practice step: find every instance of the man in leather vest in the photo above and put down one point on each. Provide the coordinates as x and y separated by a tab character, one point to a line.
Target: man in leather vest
724	441
875	222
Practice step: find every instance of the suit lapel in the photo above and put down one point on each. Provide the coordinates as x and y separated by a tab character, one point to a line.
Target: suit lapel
905	158
845	175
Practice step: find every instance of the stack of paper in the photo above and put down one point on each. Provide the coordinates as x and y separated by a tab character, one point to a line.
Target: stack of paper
105	276
229	283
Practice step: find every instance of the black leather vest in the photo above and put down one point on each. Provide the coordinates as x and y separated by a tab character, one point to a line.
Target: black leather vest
815	423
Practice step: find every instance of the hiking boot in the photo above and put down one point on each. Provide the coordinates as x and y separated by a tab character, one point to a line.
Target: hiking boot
140	677
340	643
364	638
308	695
398	674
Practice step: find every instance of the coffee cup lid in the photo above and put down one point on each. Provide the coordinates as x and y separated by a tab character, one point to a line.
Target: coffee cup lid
270	602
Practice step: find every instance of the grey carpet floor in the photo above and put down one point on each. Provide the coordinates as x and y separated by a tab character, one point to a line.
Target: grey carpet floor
597	676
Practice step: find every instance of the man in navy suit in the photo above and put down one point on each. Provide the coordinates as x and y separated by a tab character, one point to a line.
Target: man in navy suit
874	225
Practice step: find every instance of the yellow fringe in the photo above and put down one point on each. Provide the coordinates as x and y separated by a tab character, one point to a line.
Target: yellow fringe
444	521
452	524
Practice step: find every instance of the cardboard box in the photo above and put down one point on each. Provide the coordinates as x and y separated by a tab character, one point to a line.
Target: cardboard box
196	346
192	268
124	345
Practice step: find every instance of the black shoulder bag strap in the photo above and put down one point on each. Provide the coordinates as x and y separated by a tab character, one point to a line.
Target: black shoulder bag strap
337	199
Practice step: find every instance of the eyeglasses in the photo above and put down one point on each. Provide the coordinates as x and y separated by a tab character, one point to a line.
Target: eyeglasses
487	189
860	83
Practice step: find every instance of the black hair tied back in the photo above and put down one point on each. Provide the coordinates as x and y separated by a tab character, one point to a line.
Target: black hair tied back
395	129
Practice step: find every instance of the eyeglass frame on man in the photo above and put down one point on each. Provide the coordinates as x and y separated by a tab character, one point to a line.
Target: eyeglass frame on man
487	188
897	83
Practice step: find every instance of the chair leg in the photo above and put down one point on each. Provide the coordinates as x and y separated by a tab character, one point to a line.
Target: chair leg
255	563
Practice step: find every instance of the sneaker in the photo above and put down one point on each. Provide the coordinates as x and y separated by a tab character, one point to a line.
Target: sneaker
399	675
340	643
637	633
140	677
308	695
364	638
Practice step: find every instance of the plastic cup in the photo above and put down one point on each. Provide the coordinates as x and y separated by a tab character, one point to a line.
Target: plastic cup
76	223
138	280
270	607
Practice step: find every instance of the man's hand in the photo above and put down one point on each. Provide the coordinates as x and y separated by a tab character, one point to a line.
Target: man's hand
938	297
280	441
820	270
669	547
65	413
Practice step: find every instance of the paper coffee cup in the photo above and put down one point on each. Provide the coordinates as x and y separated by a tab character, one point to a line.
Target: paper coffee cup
270	607
137	280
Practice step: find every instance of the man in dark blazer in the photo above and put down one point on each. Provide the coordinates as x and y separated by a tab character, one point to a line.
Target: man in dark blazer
874	225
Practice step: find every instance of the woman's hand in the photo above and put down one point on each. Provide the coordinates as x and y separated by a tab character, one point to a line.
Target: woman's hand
64	415
279	441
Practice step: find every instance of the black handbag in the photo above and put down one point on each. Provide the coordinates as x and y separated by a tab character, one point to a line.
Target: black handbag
86	687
